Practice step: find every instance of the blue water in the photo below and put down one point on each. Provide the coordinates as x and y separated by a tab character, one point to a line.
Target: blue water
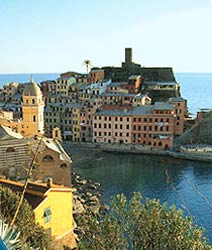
23	78
197	89
188	184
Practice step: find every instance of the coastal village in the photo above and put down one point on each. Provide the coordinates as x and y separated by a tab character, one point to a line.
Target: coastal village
131	108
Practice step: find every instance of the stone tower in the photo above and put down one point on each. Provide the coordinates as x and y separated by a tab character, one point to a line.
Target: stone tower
33	110
128	56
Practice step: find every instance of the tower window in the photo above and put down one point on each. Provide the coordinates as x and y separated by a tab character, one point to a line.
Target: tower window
48	158
33	101
34	118
63	165
27	101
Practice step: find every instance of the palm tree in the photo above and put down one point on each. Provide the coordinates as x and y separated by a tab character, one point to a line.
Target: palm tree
88	64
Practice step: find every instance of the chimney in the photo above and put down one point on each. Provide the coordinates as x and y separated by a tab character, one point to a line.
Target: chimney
49	182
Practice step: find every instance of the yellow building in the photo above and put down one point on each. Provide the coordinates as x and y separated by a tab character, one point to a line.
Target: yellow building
33	109
52	206
33	113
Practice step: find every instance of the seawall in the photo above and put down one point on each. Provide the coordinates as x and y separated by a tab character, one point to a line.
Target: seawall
86	153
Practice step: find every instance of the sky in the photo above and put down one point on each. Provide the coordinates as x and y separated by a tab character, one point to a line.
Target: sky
44	36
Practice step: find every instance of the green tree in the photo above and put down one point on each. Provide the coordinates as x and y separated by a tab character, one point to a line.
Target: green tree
88	64
31	234
141	225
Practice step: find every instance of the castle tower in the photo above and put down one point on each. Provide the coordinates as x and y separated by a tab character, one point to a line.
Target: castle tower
128	56
33	109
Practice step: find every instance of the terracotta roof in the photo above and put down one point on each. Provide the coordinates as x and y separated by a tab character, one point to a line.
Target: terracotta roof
36	192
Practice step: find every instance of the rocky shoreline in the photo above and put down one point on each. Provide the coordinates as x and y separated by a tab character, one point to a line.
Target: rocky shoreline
86	199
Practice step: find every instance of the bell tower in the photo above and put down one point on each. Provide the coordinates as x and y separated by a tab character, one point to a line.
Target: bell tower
33	109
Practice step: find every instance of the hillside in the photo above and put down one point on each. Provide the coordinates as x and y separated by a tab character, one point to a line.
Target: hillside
200	133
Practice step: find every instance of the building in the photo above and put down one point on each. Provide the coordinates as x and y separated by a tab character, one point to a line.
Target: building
181	113
17	154
63	84
153	125
52	206
147	125
14	154
33	110
96	75
51	162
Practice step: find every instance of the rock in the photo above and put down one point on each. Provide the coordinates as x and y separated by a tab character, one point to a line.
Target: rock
77	206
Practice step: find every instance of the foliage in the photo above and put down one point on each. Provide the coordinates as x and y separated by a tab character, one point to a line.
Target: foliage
141	226
88	64
30	233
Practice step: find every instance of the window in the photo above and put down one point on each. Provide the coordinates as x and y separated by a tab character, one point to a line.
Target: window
100	134
144	128
145	120
63	165
33	101
47	215
116	126
10	150
48	158
121	126
105	125
34	118
167	128
127	126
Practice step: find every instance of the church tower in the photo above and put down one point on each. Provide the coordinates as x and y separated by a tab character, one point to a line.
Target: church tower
33	110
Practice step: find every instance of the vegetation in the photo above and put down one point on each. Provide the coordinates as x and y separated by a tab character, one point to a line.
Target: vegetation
88	64
141	225
30	233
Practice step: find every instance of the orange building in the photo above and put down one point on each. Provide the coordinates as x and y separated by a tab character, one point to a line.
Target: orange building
181	112
96	75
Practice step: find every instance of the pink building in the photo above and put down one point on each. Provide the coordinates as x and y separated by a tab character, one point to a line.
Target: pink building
151	125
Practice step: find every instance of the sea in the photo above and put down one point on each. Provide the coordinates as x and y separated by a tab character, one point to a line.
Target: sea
187	184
